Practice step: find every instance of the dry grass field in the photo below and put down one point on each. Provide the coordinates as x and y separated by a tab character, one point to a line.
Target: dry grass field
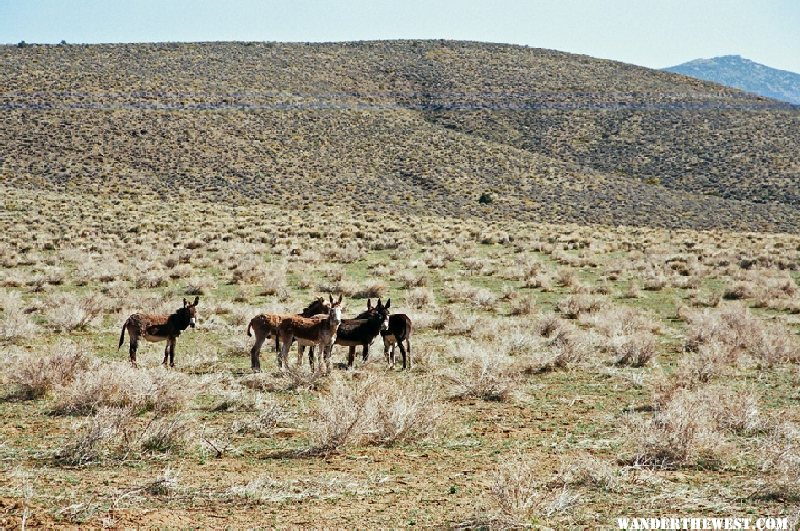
563	375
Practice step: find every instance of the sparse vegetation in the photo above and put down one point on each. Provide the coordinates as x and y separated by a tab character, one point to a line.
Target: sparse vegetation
562	372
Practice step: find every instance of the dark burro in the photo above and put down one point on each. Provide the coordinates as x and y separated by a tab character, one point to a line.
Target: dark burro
159	327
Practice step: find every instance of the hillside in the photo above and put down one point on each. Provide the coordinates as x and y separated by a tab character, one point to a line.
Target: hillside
738	72
409	126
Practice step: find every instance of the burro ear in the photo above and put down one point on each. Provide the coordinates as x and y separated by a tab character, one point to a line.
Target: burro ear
369	303
340	299
185	303
388	303
196	300
330	298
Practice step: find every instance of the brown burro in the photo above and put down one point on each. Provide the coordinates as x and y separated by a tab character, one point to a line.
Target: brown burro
159	327
266	325
360	331
311	331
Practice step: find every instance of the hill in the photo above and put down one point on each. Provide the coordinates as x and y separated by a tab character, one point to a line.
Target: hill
419	127
738	72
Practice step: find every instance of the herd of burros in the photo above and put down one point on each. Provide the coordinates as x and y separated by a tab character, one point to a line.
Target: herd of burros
320	325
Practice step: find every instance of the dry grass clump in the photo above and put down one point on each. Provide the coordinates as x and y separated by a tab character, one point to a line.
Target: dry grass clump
273	282
298	378
523	306
589	471
268	417
120	385
67	312
97	436
628	334
655	282
346	254
780	464
372	411
465	293
737	330
239	345
412	279
548	324
636	349
153	278
566	278
420	298
689	428
249	270
618	320
200	285
564	346
518	496
567	347
35	376
705	300
674	438
15	324
699	367
166	434
738	412
115	432
739	291
238	400
371	290
540	280
574	306
482	372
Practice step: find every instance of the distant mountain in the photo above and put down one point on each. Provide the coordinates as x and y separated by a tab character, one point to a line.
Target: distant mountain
738	72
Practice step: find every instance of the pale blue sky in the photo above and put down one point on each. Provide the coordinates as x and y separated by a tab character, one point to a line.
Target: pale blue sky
655	33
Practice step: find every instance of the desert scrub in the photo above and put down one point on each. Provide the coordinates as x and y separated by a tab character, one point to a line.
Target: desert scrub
268	416
200	285
569	346
249	270
420	298
589	471
636	349
519	496
273	282
372	411
736	329
478	297
412	279
34	376
67	312
482	372
780	463
371	290
15	324
97	437
617	320
317	487
689	429
120	385
116	433
524	305
167	433
574	306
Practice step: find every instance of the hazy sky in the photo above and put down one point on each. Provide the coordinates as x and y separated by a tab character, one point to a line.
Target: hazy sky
655	33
